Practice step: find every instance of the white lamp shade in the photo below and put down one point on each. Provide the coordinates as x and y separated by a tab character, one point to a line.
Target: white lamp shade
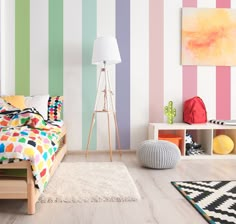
106	50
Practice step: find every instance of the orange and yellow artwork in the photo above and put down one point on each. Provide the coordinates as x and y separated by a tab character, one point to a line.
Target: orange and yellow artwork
209	36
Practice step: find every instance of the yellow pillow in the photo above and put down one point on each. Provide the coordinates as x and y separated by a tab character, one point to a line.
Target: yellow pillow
16	101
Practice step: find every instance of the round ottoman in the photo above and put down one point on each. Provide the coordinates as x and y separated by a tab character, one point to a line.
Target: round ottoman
158	154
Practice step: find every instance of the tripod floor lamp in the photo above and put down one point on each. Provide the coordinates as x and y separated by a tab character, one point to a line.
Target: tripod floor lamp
105	52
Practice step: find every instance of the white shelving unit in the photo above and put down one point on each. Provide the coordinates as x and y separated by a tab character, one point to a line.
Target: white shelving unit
202	134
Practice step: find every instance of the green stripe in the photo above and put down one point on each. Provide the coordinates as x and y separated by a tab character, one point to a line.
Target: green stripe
55	47
89	79
22	47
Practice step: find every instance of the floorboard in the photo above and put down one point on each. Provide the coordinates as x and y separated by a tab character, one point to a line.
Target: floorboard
160	203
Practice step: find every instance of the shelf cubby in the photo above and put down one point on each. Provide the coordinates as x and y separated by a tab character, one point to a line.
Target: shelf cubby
202	134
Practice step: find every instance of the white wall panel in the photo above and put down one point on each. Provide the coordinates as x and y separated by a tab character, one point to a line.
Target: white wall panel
172	46
106	27
73	72
207	4
206	76
206	88
38	47
139	74
8	48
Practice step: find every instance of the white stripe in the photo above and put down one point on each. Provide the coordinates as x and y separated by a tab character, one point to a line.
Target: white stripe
233	81
206	88
233	93
206	4
172	67
8	48
73	72
206	76
233	4
38	47
139	71
105	27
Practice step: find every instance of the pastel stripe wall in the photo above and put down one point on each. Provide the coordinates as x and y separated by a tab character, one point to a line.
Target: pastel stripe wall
39	57
189	72
46	48
8	47
55	47
89	80
223	75
206	75
22	47
123	71
139	70
106	26
232	82
156	60
213	83
72	87
173	79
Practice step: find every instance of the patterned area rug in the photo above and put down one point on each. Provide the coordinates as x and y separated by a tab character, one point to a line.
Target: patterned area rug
214	200
90	182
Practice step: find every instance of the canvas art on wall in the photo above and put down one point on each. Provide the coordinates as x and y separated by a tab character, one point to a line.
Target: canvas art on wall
208	36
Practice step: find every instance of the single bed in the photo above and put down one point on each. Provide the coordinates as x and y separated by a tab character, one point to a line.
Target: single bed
20	175
24	187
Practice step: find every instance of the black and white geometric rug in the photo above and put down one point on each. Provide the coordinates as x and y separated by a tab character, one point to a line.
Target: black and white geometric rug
214	200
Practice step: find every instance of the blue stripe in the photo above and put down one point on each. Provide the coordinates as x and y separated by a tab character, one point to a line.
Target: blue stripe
123	71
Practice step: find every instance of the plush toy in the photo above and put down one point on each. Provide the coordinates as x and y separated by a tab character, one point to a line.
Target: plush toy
192	148
170	112
223	144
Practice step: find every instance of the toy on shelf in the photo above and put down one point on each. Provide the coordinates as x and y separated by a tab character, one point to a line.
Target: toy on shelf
170	112
223	144
192	148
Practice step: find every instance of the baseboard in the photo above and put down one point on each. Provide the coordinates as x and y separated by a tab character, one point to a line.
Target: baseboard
101	151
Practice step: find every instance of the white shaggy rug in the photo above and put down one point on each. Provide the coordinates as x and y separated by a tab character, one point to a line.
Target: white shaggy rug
90	182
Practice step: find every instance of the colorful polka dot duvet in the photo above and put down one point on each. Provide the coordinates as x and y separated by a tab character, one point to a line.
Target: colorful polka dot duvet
25	135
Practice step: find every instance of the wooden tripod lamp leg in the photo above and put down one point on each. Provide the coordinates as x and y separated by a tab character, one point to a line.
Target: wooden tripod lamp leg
90	133
109	135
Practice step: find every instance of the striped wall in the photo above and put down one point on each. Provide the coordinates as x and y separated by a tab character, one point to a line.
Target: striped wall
106	18
213	83
22	47
46	47
123	71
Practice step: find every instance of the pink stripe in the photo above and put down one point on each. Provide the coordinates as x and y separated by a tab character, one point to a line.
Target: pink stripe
223	4
223	75
190	71
223	92
156	60
189	81
190	3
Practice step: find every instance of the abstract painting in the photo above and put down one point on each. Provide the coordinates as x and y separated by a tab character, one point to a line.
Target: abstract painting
208	36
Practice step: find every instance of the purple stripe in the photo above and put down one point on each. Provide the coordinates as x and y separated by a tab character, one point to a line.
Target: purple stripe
123	72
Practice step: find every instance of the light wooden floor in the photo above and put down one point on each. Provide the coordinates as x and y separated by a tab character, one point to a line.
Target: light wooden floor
160	203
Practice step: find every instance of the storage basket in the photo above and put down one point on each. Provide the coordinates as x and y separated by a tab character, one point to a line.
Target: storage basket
170	138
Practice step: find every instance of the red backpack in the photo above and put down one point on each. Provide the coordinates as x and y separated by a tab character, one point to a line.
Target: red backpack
194	111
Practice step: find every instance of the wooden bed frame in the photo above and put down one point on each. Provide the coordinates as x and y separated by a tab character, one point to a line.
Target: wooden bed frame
24	188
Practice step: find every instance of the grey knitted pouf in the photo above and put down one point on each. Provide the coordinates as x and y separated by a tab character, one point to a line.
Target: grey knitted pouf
158	154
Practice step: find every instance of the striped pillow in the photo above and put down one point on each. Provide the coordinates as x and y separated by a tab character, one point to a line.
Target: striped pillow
55	104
